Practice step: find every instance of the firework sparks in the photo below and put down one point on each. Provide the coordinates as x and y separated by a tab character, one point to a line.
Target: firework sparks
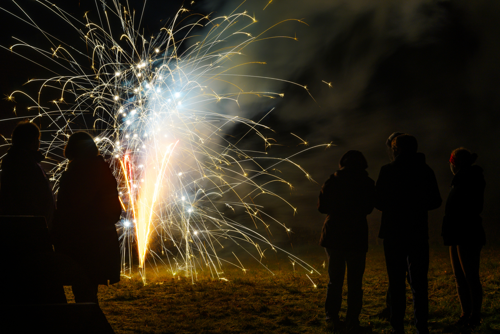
154	104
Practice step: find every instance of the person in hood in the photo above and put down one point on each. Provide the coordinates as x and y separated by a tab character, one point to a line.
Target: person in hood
25	189
406	190
463	231
88	208
347	197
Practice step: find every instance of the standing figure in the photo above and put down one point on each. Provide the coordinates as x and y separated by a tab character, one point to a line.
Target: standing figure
406	190
386	312
87	210
25	189
347	197
463	232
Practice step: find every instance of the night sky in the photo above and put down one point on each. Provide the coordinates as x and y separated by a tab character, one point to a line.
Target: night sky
428	68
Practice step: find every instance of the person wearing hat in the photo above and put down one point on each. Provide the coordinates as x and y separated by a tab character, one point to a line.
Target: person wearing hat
406	190
347	197
463	231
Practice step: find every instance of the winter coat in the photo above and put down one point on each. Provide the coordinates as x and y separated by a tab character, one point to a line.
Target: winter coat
462	223
406	190
25	189
84	224
347	197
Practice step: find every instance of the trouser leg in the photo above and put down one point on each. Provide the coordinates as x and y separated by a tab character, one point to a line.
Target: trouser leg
470	256
395	259
355	270
336	272
464	294
418	267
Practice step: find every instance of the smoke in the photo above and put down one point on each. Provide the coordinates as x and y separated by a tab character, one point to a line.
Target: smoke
424	67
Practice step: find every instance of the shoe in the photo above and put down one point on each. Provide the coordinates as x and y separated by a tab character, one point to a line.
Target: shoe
335	325
474	322
457	327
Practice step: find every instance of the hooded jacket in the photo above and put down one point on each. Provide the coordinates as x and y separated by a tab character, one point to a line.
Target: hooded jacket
25	189
462	223
406	190
347	197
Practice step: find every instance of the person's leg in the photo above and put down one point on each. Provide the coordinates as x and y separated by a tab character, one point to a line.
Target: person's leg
418	268
336	272
464	295
470	256
355	270
395	259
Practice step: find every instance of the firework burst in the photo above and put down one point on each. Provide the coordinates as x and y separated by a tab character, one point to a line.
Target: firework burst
156	107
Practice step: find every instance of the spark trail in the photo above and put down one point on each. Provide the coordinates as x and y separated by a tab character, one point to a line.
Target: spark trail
156	107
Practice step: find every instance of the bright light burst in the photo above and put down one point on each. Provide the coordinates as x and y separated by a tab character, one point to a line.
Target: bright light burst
155	105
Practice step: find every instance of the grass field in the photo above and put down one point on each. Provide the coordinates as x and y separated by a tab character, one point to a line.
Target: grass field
286	302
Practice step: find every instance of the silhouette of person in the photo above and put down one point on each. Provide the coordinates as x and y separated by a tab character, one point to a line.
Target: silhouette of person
386	312
25	190
406	190
87	210
463	232
347	197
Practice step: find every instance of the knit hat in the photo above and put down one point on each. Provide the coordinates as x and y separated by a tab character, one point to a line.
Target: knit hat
462	157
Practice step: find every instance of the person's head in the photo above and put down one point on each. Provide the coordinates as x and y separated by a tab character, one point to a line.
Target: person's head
26	135
388	143
404	144
353	159
80	146
461	158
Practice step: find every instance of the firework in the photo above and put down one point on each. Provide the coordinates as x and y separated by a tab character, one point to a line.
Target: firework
155	105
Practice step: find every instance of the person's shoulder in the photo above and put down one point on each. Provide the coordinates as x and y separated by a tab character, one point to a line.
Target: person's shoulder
387	167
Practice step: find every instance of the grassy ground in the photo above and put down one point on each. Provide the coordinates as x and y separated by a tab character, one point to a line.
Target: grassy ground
287	302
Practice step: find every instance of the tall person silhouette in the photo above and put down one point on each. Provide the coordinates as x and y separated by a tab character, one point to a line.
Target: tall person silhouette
406	190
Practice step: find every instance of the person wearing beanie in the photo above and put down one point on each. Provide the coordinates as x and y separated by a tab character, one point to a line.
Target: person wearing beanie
406	190
463	231
347	197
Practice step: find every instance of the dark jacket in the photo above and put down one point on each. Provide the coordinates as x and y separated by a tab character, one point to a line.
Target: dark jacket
25	189
406	190
462	223
347	197
84	224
